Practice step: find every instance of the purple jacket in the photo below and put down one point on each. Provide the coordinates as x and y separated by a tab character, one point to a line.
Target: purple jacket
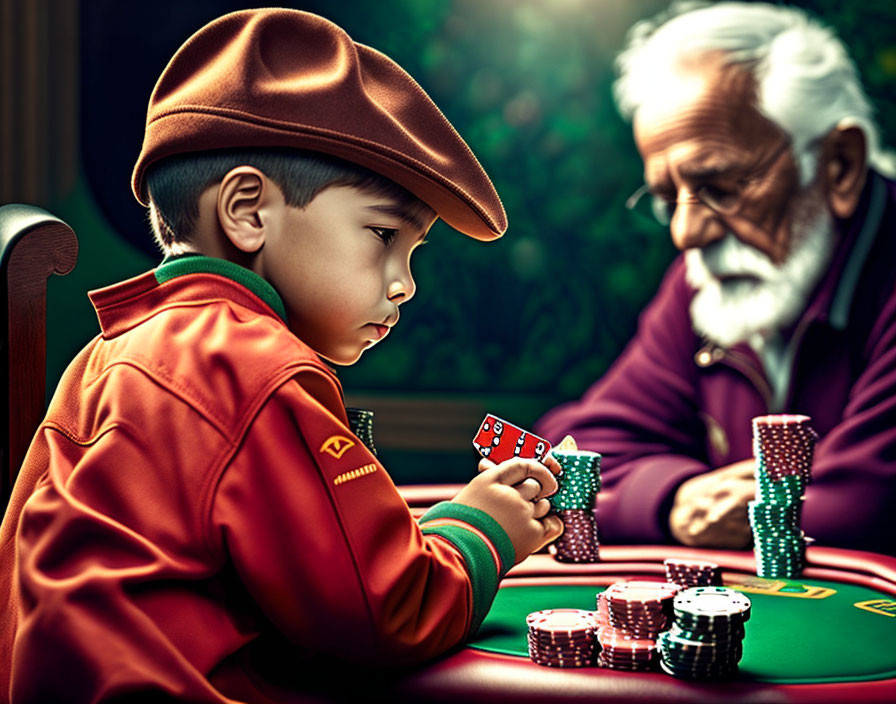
673	406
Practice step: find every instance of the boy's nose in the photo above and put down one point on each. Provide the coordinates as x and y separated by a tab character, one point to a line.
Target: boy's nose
402	289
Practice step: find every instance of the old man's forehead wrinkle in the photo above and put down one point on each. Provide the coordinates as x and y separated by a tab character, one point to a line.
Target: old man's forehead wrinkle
718	127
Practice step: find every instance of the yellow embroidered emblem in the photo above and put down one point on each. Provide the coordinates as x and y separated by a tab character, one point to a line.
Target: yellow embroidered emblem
336	445
354	474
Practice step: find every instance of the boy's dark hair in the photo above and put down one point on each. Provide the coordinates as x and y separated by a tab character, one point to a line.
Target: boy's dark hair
176	183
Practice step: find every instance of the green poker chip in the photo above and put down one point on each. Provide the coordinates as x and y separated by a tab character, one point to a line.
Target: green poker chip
579	480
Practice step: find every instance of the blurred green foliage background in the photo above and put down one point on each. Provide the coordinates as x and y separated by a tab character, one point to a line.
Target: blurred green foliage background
540	313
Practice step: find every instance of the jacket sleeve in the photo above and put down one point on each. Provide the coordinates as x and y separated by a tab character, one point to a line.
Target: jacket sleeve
329	550
852	499
642	416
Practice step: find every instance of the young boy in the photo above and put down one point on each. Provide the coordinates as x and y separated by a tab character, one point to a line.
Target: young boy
194	509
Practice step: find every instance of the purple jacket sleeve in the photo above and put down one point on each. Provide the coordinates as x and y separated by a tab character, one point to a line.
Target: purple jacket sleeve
642	416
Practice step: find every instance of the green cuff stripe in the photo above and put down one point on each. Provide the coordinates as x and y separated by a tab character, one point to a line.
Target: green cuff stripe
480	566
481	521
197	264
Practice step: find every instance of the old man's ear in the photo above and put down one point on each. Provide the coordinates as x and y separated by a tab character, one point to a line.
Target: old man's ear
844	168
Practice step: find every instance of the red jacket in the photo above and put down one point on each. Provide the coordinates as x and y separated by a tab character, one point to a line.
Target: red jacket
195	494
672	406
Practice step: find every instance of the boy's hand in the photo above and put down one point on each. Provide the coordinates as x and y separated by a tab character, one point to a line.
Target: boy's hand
549	461
515	493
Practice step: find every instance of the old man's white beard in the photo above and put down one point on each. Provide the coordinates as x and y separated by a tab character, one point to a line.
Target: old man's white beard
736	310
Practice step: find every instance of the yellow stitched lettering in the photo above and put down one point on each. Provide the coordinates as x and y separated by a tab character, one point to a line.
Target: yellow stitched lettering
354	474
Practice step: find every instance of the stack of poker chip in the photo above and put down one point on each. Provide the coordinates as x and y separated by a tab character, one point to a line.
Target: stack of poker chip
692	573
632	615
783	446
562	637
575	503
360	421
706	637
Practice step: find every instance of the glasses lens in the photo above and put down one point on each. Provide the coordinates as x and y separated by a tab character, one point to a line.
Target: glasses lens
662	210
649	207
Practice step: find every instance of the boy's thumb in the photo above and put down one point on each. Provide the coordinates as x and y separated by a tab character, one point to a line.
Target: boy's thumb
553	527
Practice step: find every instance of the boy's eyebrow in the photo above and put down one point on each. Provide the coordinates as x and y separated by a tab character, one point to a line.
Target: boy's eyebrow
398	211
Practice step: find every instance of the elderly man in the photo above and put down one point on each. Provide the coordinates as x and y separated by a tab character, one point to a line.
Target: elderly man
761	156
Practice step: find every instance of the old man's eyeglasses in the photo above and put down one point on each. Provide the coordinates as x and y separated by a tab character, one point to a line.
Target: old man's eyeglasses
726	200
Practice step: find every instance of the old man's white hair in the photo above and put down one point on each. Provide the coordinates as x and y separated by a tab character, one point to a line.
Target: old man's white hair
806	82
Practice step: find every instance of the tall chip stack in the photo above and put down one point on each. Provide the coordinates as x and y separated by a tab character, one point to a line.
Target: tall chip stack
783	446
575	502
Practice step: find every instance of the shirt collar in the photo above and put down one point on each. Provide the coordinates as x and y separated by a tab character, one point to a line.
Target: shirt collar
183	264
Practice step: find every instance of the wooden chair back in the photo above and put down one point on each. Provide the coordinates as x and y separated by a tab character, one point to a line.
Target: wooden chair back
33	245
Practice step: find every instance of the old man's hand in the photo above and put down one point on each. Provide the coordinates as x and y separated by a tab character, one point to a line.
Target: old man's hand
710	510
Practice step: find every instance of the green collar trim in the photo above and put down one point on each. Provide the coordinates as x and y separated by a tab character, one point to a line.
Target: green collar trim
172	267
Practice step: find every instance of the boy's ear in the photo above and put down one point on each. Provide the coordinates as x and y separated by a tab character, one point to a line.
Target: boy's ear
844	168
243	195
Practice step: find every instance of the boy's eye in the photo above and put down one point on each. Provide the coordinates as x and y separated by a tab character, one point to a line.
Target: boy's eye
386	234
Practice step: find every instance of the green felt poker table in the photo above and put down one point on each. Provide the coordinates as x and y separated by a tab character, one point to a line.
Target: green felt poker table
829	636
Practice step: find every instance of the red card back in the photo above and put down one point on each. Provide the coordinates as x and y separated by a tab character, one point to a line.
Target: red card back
499	440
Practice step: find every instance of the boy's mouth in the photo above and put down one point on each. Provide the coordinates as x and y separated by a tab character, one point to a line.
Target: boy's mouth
381	330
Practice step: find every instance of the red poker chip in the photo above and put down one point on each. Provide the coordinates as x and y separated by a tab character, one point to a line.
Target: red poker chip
632	605
612	651
625	660
634	652
625	621
551	655
692	573
638	632
642	615
585	633
603	612
627	666
640	593
557	660
551	644
549	663
642	634
637	627
638	615
585	641
577	558
562	620
575	653
561	662
616	640
562	657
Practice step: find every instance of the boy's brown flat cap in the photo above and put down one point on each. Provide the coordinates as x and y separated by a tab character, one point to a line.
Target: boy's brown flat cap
286	78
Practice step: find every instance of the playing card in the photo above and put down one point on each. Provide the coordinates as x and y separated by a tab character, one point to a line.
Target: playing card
499	440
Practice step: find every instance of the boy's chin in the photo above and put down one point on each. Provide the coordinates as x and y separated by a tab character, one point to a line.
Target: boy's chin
343	358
